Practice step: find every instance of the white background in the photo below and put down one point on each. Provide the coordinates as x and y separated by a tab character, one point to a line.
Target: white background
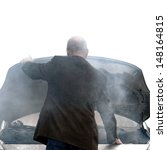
119	29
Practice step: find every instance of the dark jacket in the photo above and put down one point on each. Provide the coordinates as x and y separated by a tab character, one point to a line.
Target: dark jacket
68	111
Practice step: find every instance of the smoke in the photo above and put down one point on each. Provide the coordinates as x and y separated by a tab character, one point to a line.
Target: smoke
20	95
128	96
125	90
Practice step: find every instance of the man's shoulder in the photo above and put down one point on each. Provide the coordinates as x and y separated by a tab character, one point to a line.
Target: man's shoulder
68	58
58	57
77	61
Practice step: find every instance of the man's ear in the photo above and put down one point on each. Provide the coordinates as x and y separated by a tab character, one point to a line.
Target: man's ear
69	53
86	53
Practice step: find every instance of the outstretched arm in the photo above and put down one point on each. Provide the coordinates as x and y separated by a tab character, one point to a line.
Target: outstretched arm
32	70
36	70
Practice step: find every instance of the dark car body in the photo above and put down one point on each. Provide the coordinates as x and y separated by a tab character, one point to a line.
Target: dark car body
130	98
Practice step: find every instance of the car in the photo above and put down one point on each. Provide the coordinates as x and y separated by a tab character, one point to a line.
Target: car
21	99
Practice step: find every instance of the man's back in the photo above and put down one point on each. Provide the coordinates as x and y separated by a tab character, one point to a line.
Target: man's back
68	112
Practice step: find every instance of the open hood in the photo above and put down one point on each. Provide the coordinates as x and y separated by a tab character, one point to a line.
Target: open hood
130	97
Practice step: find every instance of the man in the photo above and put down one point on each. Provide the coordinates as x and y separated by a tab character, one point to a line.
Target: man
67	118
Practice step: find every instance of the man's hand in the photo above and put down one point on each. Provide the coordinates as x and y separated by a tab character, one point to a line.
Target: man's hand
117	142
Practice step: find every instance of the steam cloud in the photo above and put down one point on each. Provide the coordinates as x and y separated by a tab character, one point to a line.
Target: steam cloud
126	90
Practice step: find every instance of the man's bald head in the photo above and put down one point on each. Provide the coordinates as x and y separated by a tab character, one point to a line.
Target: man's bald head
77	46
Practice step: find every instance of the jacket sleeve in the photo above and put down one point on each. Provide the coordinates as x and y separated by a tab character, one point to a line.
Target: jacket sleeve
108	119
36	70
